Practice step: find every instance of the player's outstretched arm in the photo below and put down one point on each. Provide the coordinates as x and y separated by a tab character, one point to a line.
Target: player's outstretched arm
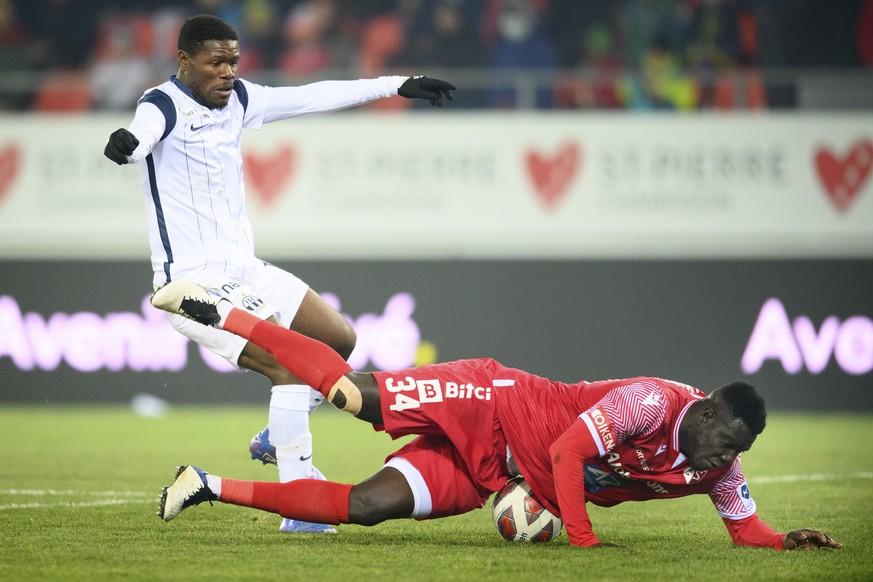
569	453
809	539
753	531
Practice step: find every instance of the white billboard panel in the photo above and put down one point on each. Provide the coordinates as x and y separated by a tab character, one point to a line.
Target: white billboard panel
477	185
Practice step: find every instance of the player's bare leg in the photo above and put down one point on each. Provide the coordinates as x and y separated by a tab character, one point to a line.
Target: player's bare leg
317	319
385	495
311	361
287	441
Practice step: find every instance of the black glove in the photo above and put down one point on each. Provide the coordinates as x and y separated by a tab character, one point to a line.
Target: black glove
120	145
426	88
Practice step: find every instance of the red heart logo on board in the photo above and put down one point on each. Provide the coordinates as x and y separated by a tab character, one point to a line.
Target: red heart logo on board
844	178
10	159
552	175
269	173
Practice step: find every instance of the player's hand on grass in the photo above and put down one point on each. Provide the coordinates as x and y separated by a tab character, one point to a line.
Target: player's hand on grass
434	90
120	145
808	539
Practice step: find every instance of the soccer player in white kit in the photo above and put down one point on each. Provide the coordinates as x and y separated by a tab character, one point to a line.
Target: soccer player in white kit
186	135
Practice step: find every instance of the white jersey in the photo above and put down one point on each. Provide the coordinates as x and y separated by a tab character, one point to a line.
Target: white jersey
192	175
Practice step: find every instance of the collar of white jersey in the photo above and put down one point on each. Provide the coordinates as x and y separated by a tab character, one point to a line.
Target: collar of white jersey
184	89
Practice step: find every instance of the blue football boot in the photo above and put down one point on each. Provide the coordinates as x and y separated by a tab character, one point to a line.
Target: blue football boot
261	448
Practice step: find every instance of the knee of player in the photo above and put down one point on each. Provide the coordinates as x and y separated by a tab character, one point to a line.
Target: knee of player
367	508
261	362
279	375
345	342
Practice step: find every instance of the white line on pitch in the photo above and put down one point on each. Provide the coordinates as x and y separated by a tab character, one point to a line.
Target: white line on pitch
148	497
67	492
115	498
814	477
73	504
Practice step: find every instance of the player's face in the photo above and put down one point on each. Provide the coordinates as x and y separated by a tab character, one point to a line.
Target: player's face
210	73
716	442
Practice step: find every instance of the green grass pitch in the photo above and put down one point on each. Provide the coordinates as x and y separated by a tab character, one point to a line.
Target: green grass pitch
79	488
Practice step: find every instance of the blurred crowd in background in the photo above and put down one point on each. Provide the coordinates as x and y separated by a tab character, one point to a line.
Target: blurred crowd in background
67	55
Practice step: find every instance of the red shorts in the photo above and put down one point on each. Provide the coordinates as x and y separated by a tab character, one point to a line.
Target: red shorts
461	454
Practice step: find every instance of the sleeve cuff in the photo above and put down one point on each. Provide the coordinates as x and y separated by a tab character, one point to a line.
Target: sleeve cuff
394	82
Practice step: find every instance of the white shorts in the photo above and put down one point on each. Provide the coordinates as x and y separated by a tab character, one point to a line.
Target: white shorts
423	504
281	292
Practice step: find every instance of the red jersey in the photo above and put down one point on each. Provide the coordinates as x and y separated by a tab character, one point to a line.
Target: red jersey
622	435
635	425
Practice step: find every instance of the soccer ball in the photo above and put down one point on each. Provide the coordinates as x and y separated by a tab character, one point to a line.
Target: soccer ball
519	517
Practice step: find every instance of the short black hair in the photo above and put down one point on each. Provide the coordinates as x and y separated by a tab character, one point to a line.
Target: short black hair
204	27
743	402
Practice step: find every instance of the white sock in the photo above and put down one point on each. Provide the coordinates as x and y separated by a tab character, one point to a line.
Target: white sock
214	483
289	431
315	400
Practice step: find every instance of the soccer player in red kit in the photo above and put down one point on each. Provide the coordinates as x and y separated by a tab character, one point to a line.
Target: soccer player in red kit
480	423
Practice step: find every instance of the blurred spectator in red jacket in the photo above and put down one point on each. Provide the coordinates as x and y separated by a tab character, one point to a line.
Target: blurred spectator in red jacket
311	45
122	70
592	80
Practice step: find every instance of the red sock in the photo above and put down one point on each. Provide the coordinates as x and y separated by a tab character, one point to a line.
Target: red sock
314	362
304	499
240	322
